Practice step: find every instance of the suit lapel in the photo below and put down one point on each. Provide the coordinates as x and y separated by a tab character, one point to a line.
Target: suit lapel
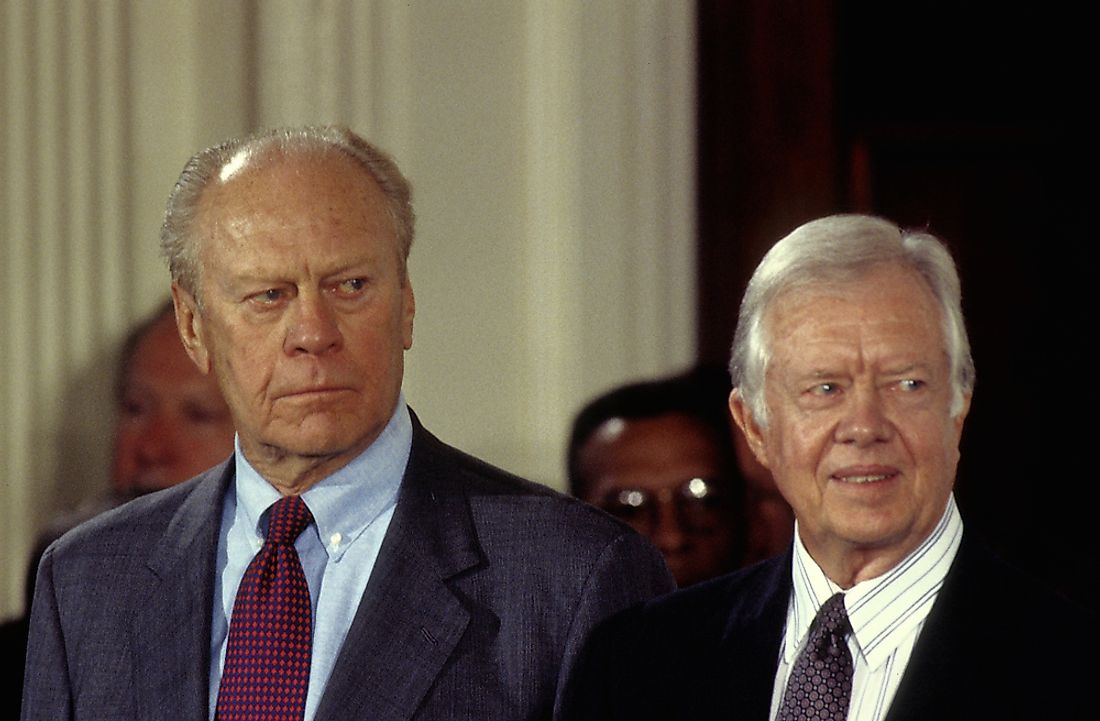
750	645
171	649
940	667
409	621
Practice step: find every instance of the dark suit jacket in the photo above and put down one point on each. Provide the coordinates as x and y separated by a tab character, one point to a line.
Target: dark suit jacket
993	647
484	591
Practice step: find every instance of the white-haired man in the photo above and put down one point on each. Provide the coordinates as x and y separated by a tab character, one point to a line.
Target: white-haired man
344	563
852	380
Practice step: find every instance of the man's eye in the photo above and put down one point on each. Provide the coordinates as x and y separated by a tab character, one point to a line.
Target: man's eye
824	389
197	414
911	384
352	285
271	295
132	408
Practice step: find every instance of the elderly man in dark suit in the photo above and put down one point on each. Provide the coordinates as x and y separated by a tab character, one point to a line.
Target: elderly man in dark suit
852	379
343	563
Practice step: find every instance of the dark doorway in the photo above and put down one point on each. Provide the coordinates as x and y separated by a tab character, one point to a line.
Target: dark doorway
960	117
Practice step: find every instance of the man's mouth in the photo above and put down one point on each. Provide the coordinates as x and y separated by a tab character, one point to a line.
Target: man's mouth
321	390
864	476
864	479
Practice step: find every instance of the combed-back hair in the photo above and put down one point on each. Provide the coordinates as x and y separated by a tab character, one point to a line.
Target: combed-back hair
218	163
839	249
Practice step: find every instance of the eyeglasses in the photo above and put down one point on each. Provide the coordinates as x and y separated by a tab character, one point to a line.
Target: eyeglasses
699	503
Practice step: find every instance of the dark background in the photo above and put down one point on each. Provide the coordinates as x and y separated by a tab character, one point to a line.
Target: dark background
964	118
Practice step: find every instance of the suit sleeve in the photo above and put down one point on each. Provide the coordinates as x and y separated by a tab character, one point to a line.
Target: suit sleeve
47	695
629	571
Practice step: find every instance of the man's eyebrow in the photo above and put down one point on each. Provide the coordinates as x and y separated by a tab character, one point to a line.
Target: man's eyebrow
903	369
817	373
363	264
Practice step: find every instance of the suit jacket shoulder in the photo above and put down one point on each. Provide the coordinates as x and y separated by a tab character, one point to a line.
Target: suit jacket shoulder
484	591
120	624
709	651
997	644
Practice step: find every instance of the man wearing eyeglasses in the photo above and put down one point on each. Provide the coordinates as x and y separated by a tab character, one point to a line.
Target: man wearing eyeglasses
659	455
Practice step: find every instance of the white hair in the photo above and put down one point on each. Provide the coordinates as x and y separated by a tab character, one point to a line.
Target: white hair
840	248
177	240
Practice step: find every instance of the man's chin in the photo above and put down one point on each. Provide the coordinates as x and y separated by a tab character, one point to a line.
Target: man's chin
318	444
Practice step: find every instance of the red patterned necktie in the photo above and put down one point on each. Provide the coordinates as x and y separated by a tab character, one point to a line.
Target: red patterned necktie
266	671
820	685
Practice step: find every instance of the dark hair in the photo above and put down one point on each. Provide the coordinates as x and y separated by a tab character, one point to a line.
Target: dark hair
700	393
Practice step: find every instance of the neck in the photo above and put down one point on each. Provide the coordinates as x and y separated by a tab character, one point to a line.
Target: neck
293	474
848	565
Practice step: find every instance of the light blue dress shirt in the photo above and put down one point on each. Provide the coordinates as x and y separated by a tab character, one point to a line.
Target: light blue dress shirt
351	508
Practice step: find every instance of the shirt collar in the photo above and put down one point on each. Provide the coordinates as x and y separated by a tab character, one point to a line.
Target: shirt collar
345	503
883	610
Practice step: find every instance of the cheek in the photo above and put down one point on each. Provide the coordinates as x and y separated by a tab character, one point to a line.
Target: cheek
124	449
798	444
206	448
127	433
243	373
796	453
932	443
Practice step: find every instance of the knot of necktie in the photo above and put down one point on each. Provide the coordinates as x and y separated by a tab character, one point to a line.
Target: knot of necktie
831	627
820	684
289	516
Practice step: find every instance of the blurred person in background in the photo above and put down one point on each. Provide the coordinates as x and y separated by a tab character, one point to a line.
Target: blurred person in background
659	455
171	424
769	520
172	420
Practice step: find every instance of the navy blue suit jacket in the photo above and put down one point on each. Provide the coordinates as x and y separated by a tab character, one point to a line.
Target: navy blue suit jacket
995	646
485	589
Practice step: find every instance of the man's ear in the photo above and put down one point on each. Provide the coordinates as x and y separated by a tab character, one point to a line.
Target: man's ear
408	312
754	435
960	417
189	323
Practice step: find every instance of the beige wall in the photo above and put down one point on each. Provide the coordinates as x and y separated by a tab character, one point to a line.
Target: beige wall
550	145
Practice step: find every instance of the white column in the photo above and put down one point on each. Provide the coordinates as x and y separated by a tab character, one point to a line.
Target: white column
610	225
62	210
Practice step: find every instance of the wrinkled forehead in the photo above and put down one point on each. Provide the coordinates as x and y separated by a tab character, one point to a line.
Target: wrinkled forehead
293	188
274	171
881	292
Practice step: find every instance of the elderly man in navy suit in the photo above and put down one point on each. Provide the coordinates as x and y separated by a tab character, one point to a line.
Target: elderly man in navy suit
852	379
343	563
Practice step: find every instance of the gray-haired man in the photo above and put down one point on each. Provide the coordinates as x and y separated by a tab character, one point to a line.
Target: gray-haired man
852	380
424	584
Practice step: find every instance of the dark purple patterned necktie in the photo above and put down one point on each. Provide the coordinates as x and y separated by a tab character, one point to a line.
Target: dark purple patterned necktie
820	684
266	671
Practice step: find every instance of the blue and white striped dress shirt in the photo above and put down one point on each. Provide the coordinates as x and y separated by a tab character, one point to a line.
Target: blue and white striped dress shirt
886	613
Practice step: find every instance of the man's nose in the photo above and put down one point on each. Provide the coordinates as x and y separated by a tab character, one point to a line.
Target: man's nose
667	531
156	443
313	327
865	420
